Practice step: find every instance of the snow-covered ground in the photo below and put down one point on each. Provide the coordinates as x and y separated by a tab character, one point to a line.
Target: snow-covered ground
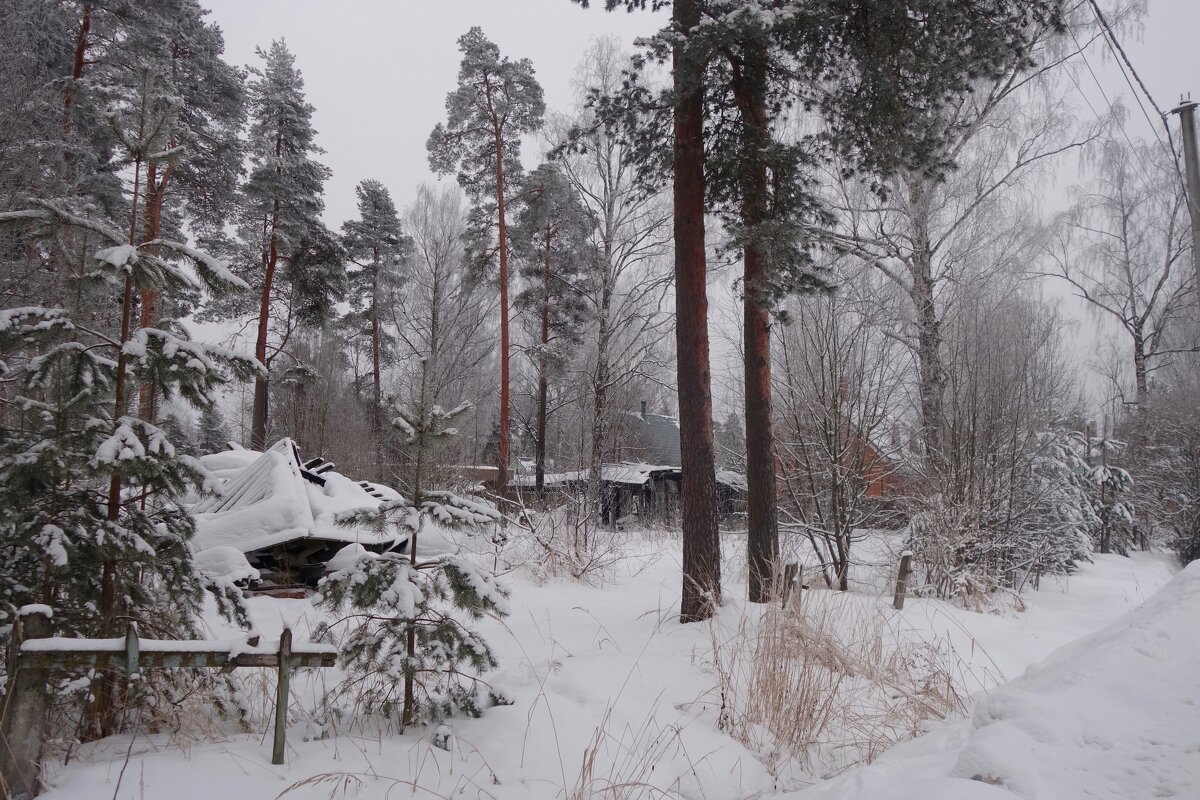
614	696
1113	715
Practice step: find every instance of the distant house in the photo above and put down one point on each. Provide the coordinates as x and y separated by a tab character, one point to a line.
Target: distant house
649	438
647	481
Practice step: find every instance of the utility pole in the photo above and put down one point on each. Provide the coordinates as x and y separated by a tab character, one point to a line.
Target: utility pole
1186	111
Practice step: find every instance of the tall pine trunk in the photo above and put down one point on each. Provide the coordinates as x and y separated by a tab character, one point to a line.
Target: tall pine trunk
78	62
156	193
502	244
701	542
104	685
543	381
376	369
762	525
258	424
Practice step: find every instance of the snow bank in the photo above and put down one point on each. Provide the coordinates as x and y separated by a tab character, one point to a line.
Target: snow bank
224	564
1112	715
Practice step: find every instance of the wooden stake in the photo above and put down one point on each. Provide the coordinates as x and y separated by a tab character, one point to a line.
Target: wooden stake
790	573
902	581
281	696
23	728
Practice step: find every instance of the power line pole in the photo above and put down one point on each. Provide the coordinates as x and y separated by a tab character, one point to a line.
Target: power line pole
1185	110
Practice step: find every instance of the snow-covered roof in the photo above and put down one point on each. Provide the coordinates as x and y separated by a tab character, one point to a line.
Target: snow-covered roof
732	479
266	500
630	474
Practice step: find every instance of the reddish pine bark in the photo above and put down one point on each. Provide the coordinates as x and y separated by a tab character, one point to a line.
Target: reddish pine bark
701	543
762	524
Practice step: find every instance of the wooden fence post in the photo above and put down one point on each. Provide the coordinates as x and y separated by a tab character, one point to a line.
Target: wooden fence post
790	579
132	646
902	580
281	695
23	729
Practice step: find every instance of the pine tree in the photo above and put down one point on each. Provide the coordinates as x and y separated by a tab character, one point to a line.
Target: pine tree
406	635
875	70
99	529
212	431
552	242
377	244
497	100
281	226
172	38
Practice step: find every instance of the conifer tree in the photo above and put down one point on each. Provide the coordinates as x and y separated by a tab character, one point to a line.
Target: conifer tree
289	257
212	434
551	239
497	100
875	70
100	529
377	244
408	649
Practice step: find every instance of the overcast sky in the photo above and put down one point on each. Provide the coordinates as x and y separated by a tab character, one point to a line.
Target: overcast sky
378	72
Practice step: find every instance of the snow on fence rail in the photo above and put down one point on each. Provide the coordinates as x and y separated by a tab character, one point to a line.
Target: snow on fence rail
37	653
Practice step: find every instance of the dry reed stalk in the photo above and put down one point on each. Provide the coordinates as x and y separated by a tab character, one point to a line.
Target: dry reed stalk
830	685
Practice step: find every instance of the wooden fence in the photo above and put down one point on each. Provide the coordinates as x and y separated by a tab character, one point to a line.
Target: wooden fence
36	654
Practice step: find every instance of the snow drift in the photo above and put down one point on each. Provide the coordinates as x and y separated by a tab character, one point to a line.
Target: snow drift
1112	715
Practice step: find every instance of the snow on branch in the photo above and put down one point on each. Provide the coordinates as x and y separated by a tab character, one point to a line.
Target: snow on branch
213	271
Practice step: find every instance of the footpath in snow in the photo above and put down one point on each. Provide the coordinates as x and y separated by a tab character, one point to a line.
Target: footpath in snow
611	691
1113	715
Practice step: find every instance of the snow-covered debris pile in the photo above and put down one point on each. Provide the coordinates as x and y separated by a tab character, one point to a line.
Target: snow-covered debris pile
266	500
1113	715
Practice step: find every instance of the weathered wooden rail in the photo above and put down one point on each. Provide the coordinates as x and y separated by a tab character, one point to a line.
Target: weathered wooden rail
36	654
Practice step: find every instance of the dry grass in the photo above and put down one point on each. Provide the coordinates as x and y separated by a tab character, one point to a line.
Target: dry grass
830	684
620	766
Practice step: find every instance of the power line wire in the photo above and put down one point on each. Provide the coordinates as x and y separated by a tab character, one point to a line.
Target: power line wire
1123	63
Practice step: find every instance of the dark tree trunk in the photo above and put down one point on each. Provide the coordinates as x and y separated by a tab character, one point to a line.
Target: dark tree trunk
104	686
762	525
376	338
258	421
701	542
600	395
156	193
258	425
932	374
502	456
78	62
543	381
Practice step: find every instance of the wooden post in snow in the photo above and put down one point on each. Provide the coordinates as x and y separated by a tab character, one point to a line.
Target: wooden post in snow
902	580
791	575
22	730
281	696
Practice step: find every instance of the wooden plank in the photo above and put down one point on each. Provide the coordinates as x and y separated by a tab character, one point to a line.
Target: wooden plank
117	659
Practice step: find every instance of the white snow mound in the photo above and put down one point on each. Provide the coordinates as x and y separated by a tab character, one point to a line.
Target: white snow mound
1113	715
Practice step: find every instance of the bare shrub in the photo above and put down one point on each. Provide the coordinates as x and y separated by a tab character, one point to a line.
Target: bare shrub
566	542
829	684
